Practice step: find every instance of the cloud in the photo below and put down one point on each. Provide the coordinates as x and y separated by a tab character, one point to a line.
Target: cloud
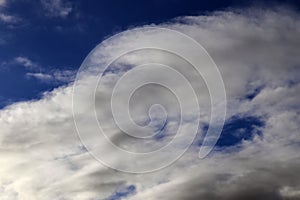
4	17
26	62
255	50
47	76
56	76
2	2
262	181
40	76
57	8
8	18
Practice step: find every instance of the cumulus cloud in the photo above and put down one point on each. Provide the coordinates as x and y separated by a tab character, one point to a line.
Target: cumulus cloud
256	52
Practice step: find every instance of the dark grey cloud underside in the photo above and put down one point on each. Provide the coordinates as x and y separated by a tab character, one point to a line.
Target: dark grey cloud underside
262	183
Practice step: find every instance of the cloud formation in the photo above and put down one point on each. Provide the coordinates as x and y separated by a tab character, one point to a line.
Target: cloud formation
256	51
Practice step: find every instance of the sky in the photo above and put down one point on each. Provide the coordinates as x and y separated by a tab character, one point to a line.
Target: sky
244	101
56	36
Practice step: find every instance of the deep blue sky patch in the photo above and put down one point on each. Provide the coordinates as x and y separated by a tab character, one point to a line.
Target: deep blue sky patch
237	129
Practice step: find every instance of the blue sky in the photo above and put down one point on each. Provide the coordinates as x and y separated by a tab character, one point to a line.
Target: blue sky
53	40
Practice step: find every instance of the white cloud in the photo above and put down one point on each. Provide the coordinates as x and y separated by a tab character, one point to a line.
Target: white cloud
42	158
41	76
50	76
26	62
56	76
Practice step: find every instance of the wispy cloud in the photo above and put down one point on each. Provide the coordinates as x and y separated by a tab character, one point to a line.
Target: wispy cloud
8	18
45	75
26	62
56	76
40	76
4	17
57	8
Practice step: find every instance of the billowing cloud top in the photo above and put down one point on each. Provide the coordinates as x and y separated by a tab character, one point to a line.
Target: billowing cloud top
257	55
